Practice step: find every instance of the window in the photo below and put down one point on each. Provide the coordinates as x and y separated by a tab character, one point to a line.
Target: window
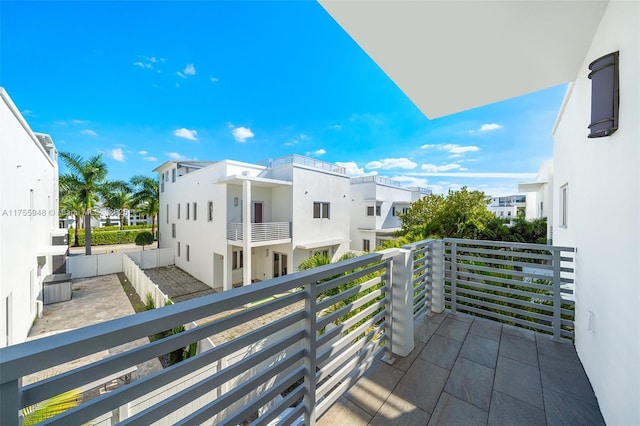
173	230
210	211
393	210
378	211
370	211
188	210
178	210
320	210
237	260
324	253
541	209
508	213
405	210
173	175
195	211
188	252
167	213
178	249
563	205
366	245
605	101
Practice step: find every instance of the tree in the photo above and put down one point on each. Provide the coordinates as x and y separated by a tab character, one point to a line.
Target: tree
461	214
86	177
144	238
146	197
117	196
70	203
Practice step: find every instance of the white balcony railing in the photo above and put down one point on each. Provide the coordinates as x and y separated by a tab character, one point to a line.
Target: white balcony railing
304	349
260	232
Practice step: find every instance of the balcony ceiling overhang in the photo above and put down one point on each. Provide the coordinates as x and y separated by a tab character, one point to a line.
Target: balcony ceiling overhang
318	244
450	56
531	186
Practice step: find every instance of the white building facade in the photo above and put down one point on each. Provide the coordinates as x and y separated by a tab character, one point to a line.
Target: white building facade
32	247
540	196
508	207
376	202
233	223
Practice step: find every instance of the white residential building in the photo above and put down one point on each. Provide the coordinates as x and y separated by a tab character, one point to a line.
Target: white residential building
529	46
234	223
540	197
32	247
375	204
508	207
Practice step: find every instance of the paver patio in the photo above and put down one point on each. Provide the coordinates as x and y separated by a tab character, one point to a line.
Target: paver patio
467	370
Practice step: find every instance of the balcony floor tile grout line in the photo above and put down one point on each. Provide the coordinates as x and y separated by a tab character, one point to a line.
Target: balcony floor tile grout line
493	384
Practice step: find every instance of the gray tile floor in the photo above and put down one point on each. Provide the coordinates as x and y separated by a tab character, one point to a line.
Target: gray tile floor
466	370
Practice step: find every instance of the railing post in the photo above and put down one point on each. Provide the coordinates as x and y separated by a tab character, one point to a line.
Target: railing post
436	275
454	275
310	359
10	394
557	298
399	304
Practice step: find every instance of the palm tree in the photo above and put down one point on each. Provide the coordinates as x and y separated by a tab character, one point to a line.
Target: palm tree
86	177
117	196
70	204
146	197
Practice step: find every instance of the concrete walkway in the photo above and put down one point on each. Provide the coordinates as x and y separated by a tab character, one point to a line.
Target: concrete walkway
178	284
94	300
466	370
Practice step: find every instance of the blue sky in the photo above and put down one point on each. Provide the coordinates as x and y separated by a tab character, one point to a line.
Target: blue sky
147	82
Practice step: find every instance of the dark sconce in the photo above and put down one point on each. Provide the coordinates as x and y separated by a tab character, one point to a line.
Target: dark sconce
605	95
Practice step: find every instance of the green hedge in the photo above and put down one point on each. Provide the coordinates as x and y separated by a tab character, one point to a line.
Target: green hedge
117	228
106	238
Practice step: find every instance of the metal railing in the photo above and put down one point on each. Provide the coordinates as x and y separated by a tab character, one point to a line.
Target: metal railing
307	347
269	231
304	161
529	285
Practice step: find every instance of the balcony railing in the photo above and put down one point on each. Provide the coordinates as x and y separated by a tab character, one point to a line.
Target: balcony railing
260	232
306	346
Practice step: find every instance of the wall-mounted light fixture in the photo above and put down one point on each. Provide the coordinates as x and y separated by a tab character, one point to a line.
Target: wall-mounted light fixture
605	95
235	201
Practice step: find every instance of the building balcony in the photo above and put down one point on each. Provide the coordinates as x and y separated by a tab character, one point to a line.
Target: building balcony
310	346
268	232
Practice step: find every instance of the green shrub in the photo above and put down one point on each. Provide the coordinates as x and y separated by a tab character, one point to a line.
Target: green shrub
151	304
102	238
144	238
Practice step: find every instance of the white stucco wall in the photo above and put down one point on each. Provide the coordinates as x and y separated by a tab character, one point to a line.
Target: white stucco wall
607	240
24	167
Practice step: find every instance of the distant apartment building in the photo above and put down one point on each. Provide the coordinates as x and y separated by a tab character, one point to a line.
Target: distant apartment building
376	202
32	246
234	223
508	207
540	196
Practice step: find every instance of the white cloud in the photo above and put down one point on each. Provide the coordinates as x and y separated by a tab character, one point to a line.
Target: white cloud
292	143
489	126
186	134
88	132
78	121
181	75
411	180
28	113
441	168
143	65
116	154
392	163
351	168
214	79
303	136
176	156
320	151
241	134
453	148
143	152
149	158
190	69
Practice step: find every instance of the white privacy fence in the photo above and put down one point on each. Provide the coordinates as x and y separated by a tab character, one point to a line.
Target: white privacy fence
142	283
112	263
